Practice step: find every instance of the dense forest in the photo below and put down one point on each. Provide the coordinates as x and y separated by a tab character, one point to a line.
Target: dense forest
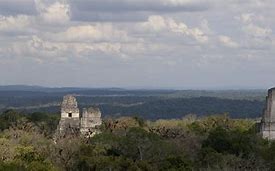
147	104
130	143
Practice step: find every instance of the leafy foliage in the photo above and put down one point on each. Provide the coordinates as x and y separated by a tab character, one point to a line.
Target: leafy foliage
215	142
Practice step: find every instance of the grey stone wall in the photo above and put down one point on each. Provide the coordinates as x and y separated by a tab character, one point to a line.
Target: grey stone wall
268	118
70	117
69	113
91	118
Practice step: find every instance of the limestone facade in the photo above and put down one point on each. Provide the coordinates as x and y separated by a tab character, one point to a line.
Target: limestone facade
86	123
268	118
91	118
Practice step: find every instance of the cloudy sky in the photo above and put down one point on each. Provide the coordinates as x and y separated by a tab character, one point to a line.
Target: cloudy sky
138	43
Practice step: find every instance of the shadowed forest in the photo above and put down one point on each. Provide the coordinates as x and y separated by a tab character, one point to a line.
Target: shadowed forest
147	104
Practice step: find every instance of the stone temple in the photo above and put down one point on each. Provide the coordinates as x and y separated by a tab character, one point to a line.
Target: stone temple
71	119
268	119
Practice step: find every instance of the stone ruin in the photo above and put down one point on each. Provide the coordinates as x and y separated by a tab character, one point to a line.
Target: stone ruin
267	126
72	121
91	118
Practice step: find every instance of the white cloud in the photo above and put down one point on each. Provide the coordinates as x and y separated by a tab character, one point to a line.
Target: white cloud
257	31
42	50
56	13
92	33
14	23
250	26
183	36
161	24
246	17
228	42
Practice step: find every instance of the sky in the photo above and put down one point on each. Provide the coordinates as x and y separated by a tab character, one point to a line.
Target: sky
183	44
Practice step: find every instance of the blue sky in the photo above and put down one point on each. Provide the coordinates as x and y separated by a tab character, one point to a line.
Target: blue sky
138	43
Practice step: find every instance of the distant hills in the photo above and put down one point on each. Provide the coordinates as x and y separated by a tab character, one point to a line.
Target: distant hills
149	104
37	88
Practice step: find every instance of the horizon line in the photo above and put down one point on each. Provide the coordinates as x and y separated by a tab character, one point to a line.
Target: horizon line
221	88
